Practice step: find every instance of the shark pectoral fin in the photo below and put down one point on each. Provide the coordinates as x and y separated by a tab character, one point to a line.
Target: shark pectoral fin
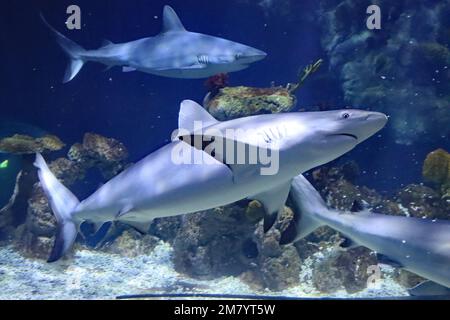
386	260
171	22
429	288
72	69
128	69
273	201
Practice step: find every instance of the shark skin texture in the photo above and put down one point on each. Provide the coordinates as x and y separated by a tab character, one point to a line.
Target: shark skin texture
421	246
174	53
158	186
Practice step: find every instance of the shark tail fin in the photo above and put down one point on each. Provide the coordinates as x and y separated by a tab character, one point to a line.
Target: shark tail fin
73	50
63	203
308	205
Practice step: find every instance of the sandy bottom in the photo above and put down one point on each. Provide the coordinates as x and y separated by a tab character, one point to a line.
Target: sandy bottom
98	275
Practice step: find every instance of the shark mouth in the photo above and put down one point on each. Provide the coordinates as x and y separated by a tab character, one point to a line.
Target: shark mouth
345	134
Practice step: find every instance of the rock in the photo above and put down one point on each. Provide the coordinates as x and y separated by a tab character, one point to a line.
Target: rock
278	266
40	220
132	244
397	70
343	270
228	241
423	202
226	103
236	102
24	144
283	271
166	228
210	243
407	279
67	171
107	154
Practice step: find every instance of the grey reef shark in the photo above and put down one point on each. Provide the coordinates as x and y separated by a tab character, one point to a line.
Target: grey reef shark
174	52
161	185
421	246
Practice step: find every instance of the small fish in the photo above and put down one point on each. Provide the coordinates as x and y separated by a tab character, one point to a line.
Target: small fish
4	164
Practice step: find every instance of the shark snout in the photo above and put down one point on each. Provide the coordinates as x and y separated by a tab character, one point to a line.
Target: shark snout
252	55
374	122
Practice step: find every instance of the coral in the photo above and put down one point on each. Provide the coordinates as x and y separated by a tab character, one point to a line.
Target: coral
306	72
433	54
107	154
236	102
401	70
436	169
343	269
216	82
421	201
23	144
226	103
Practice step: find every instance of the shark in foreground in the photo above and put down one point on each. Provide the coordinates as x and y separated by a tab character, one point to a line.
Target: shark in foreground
160	185
421	246
174	52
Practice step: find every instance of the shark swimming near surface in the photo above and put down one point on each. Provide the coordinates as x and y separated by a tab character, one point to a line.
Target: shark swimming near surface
159	185
174	52
421	246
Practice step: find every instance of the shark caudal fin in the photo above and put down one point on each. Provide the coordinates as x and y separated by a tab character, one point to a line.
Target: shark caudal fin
63	203
308	205
73	50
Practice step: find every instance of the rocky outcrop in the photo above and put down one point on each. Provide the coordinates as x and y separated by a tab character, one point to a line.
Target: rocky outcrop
236	102
107	154
23	144
347	270
226	103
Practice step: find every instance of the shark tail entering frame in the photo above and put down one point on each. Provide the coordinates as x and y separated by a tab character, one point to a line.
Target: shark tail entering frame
63	203
309	206
73	50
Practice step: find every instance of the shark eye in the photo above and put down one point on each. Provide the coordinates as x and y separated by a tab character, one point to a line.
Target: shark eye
346	115
238	55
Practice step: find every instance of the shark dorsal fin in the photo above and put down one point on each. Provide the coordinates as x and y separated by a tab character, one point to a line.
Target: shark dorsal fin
191	112
171	22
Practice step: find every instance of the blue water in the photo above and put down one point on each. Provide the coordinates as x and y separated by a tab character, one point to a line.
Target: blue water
141	110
